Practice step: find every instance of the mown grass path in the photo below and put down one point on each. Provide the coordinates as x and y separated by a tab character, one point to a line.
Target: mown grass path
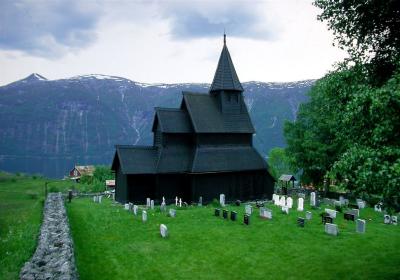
112	243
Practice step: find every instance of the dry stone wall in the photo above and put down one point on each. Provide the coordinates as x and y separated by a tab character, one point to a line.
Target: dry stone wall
54	255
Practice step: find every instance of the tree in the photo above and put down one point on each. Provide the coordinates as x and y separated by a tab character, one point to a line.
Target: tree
279	162
369	30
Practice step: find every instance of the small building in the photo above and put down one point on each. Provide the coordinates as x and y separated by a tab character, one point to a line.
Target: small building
79	170
203	148
110	184
285	179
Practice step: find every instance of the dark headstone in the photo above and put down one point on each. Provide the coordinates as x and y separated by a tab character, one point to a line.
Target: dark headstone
217	212
246	219
225	214
233	215
327	219
238	202
349	217
300	221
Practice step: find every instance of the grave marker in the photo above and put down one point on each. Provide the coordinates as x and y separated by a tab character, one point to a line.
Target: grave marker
308	215
217	212
163	231
331	213
246	219
222	200
152	204
233	215
148	202
394	220
225	214
285	210
126	207
300	204
349	216
289	202
200	201
172	213
386	219
135	209
331	229
360	226
144	216
300	222
248	209
313	199
282	201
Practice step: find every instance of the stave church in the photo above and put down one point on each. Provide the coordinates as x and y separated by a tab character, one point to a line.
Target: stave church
203	148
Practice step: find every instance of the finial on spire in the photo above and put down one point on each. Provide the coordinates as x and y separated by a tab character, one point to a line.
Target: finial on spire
224	37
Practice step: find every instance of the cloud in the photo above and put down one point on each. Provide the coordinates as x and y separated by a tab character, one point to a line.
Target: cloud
47	28
205	19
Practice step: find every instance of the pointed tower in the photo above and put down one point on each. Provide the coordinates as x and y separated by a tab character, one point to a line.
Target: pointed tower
226	86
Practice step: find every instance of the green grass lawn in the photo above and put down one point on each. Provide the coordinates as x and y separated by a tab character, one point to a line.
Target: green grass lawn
111	243
21	207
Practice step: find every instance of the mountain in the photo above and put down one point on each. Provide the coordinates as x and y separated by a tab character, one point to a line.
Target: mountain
47	126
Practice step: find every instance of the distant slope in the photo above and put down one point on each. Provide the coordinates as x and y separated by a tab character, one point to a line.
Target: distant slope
46	126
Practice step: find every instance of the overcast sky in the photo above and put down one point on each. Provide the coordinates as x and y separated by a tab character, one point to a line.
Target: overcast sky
163	41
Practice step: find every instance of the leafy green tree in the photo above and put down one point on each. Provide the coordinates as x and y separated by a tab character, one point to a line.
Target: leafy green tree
279	162
369	30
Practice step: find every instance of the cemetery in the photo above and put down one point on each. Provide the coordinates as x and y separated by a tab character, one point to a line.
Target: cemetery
227	241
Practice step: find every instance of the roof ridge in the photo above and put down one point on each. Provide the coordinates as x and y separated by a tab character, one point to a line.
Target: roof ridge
143	147
167	109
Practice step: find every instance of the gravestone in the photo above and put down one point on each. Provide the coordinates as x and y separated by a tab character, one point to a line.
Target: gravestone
360	203
180	202
217	212
277	200
285	210
176	201
238	202
378	208
94	198
148	202
248	209
282	201
246	219
327	219
130	206
200	201
289	202
308	215
386	219
331	229
152	204
268	213
313	199
300	222
233	215
349	216
225	214
100	197
144	216
163	231
222	200
135	209
163	207
360	226
126	206
300	204
263	213
274	198
394	220
355	212
331	213
172	213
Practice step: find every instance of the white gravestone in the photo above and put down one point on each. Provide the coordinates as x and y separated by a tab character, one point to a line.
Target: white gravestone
180	202
100	197
275	197
277	200
94	198
144	216
172	213
163	206
126	206
163	200
152	204
394	220
360	226
282	201
135	209
300	204
331	229
285	210
378	208
263	212
308	215
148	202
248	209
355	212
130	206
386	219
222	200
163	231
312	199
289	202
268	213
331	213
176	201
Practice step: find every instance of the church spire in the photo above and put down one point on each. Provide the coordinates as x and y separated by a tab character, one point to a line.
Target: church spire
225	78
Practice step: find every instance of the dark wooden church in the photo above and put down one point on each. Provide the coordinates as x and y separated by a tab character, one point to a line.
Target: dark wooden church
204	148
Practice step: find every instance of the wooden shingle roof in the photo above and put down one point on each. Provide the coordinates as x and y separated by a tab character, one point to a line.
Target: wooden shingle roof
206	117
136	159
225	77
173	120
